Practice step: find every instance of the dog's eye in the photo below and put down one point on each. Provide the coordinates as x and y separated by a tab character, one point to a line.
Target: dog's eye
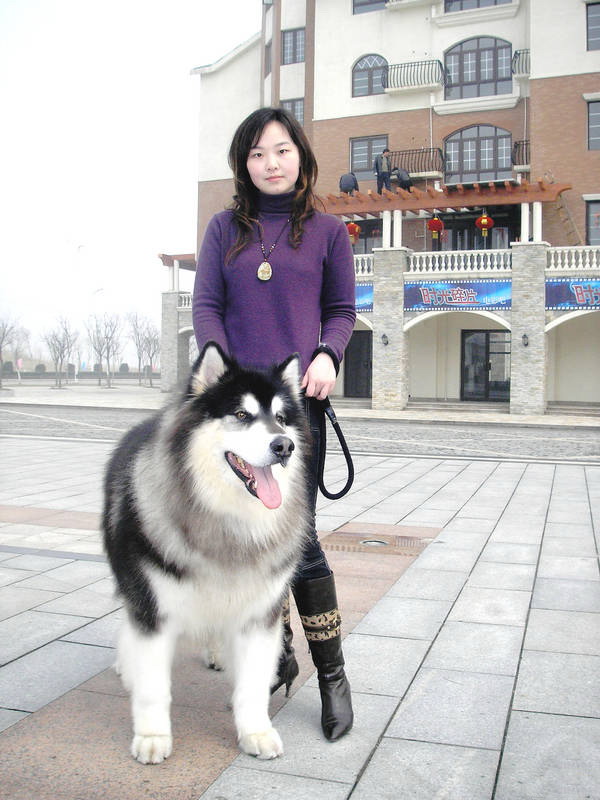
242	415
280	419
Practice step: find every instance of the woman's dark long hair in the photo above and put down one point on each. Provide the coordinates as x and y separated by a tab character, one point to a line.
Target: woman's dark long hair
245	199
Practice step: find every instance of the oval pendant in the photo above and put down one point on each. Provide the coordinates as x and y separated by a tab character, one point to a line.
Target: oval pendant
264	272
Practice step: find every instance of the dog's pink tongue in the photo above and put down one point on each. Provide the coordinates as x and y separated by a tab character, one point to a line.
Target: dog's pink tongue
267	487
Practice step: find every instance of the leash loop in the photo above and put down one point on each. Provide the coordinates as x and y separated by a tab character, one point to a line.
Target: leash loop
330	413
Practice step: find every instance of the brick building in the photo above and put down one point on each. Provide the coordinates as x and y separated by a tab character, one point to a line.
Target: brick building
493	109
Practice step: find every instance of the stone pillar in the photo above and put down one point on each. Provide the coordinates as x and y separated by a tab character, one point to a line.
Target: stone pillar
390	361
537	221
528	318
397	228
169	341
386	238
524	222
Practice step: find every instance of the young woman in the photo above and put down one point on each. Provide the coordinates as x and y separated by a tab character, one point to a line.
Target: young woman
275	276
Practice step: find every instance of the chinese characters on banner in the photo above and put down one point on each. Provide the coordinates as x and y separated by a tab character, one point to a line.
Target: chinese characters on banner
463	295
569	293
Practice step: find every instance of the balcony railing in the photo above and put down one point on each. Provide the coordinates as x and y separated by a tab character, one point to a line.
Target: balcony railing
461	261
520	152
572	259
423	161
413	75
520	62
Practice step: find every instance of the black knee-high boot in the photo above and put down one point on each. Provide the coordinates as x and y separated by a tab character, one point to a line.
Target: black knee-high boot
287	669
316	601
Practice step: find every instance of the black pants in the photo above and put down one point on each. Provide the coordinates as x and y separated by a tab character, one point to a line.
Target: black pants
314	562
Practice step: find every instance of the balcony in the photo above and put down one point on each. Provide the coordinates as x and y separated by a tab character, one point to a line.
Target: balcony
425	162
520	63
520	155
413	75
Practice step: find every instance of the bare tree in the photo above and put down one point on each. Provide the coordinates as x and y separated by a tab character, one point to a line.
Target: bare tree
151	346
20	347
95	331
8	329
137	326
104	334
60	342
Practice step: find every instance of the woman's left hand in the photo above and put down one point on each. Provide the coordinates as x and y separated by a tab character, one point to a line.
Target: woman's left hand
319	378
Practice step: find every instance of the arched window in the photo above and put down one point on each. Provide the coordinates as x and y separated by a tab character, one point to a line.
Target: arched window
367	75
478	153
478	67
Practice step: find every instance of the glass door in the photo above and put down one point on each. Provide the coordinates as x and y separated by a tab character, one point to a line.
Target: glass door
485	365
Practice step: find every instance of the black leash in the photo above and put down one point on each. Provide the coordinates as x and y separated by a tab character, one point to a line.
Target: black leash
329	412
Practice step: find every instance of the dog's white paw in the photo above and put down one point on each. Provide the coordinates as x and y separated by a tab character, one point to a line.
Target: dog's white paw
151	749
266	744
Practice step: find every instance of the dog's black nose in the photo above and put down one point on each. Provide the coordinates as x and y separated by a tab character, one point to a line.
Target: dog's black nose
283	447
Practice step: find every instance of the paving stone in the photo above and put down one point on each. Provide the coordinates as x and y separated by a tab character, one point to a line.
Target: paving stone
473	647
15	599
428	584
453	707
403	770
445	557
558	683
84	603
10	576
309	755
102	632
9	717
381	665
39	677
566	595
563	632
469	525
549	757
492	575
493	606
566	567
404	617
35	562
238	783
509	553
573	546
32	629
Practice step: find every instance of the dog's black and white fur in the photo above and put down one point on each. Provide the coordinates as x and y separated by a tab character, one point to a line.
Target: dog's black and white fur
204	522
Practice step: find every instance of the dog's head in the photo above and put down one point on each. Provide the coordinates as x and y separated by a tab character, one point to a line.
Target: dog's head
252	423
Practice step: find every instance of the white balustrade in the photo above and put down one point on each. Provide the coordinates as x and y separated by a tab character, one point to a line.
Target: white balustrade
363	265
461	261
570	259
185	300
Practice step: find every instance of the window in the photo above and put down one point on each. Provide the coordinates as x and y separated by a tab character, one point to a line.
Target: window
295	107
593	26
367	75
362	6
292	46
593	223
268	51
478	153
594	125
479	67
467	5
362	155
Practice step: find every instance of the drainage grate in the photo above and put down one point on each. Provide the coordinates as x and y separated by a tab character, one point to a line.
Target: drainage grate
382	545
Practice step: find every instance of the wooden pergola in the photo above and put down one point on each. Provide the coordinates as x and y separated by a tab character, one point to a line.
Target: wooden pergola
452	198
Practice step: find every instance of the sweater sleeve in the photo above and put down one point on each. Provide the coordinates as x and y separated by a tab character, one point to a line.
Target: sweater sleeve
208	304
338	312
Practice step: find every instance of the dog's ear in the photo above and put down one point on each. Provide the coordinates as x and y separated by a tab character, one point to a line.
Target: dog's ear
290	373
210	365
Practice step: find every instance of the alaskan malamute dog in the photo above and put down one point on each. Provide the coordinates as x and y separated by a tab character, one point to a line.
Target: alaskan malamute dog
204	523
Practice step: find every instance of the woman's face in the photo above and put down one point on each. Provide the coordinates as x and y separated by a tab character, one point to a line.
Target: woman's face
274	161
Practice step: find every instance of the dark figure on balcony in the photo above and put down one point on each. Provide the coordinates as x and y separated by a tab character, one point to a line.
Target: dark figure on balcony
383	169
348	183
403	178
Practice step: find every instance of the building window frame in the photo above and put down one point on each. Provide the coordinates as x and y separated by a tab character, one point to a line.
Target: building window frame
593	124
364	6
367	75
293	46
295	106
480	66
451	6
363	150
593	26
592	223
478	153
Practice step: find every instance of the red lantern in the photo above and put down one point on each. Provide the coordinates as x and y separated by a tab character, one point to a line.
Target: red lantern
435	225
353	231
484	223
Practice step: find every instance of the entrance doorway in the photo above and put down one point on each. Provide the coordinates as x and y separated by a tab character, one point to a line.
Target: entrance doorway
485	366
358	365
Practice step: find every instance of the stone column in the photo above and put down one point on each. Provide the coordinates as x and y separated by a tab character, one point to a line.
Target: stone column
537	221
528	318
397	228
390	361
169	341
386	239
524	222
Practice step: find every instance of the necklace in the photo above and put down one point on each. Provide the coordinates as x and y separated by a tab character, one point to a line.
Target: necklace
265	271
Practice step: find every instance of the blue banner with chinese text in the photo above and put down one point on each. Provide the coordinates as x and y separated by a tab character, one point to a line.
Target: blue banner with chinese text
457	295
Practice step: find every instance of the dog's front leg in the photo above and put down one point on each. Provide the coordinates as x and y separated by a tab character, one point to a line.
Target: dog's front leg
145	661
255	654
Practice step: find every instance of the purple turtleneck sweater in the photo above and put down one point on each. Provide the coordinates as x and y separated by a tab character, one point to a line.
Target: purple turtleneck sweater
308	300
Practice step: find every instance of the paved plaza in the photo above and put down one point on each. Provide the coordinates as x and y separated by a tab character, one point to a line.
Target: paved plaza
472	641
